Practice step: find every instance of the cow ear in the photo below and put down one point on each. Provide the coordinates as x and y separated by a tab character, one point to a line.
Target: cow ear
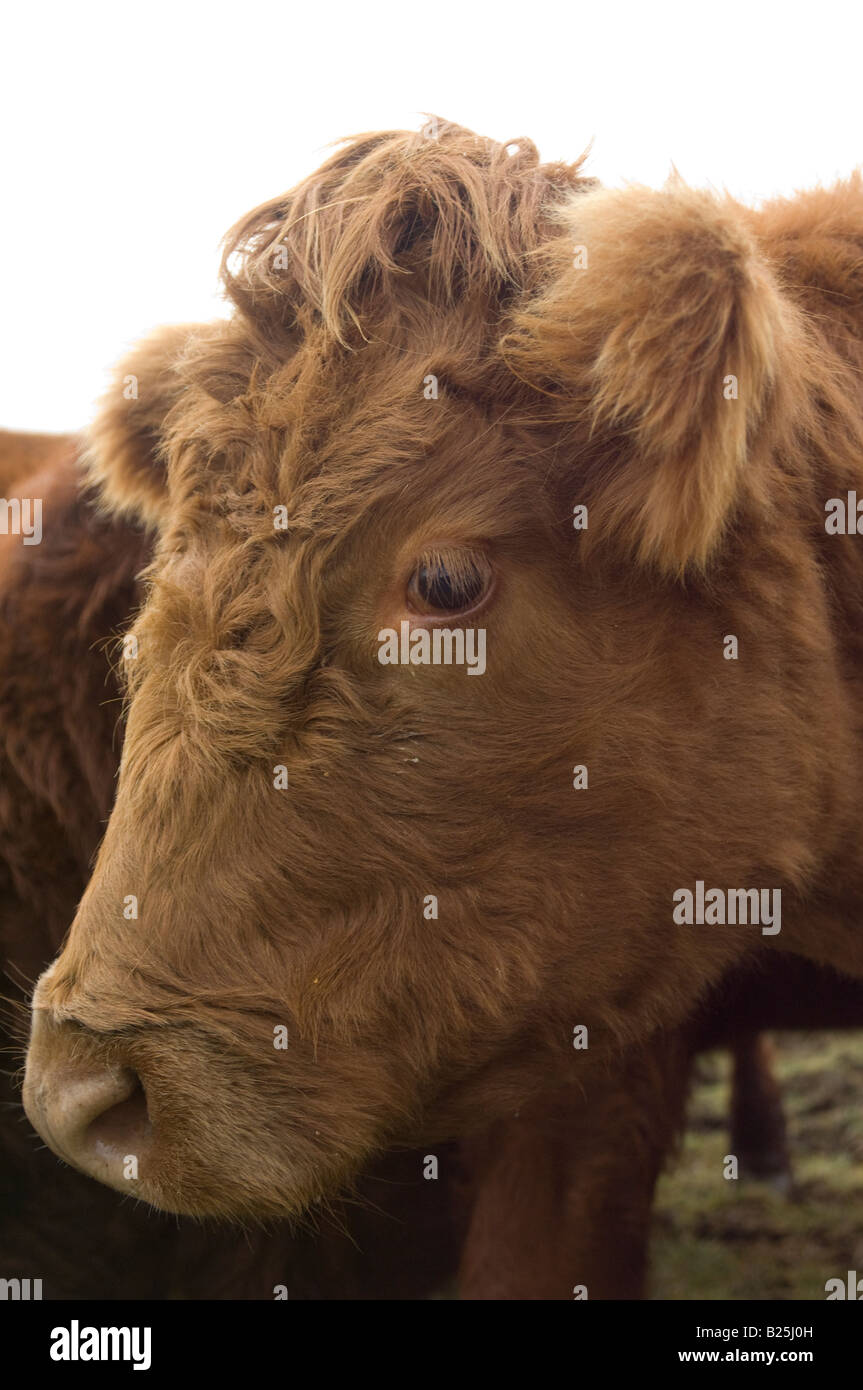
124	444
663	333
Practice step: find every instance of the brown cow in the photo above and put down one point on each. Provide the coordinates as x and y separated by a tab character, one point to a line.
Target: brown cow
59	744
441	349
60	737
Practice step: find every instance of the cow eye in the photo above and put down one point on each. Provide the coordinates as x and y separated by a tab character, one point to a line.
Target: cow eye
449	582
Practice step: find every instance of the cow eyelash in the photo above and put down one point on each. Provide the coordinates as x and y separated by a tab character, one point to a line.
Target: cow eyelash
449	581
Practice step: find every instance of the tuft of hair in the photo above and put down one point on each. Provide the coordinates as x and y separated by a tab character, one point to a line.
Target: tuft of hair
443	214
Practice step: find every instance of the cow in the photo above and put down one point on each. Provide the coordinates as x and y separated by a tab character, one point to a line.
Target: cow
61	605
599	430
60	739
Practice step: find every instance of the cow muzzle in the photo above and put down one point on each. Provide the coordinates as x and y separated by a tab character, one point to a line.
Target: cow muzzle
91	1113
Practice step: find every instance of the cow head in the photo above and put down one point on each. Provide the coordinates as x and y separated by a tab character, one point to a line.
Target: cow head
354	893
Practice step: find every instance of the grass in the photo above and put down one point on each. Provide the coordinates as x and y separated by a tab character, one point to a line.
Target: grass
717	1238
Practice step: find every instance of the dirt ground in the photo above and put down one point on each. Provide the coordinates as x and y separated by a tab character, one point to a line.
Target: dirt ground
725	1239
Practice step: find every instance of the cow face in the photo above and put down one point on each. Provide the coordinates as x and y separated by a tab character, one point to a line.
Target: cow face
403	798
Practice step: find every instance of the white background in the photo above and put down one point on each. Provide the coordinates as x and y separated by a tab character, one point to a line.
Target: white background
133	136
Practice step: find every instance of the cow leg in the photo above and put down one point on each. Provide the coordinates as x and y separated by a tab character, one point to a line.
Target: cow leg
758	1133
563	1191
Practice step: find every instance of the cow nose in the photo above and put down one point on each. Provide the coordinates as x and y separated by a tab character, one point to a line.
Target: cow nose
91	1114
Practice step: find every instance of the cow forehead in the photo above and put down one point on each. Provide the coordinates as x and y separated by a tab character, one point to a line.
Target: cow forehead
390	460
326	411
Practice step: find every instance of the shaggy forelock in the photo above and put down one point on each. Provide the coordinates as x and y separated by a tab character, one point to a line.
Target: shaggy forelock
446	215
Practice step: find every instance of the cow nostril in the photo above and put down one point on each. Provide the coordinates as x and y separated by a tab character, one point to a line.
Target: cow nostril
96	1118
123	1130
92	1113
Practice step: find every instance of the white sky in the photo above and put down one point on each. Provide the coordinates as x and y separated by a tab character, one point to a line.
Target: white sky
133	136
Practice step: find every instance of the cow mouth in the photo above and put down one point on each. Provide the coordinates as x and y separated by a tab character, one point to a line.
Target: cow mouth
146	1127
